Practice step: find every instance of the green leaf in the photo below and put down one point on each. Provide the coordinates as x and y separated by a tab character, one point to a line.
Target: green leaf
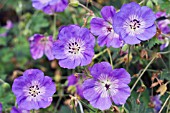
165	74
133	107
2	30
3	41
153	42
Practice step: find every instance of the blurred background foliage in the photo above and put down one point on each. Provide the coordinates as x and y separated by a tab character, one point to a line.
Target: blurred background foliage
15	55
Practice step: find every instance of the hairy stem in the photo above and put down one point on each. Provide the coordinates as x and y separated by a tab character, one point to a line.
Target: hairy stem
111	61
97	55
54	29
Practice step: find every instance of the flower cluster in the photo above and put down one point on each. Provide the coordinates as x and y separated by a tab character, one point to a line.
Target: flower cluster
33	90
75	47
106	86
50	6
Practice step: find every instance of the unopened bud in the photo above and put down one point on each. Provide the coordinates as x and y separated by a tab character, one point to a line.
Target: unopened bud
74	3
141	89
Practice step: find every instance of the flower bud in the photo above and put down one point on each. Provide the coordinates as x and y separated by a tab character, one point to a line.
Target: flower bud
74	3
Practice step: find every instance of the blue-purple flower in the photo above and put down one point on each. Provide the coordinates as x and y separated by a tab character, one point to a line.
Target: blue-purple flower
106	86
75	47
0	108
40	45
135	23
103	28
157	103
75	81
16	110
50	6
163	25
33	90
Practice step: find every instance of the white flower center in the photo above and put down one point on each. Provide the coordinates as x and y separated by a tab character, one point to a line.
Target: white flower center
106	85
34	91
134	25
74	48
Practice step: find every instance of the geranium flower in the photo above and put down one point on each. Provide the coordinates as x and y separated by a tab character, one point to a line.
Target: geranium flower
40	45
16	110
103	28
75	47
50	6
33	90
134	23
106	86
157	103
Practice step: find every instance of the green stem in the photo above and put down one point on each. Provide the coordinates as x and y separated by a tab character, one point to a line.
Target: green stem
166	52
127	66
58	102
143	73
168	107
164	64
164	104
111	61
86	8
1	81
54	29
97	55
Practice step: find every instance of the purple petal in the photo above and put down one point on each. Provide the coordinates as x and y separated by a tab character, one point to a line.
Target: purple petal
58	50
87	57
107	13
147	15
122	75
102	103
72	80
48	49
98	26
27	105
16	110
45	102
131	40
148	33
49	85
88	90
67	63
129	6
121	96
61	5
97	69
33	74
67	32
